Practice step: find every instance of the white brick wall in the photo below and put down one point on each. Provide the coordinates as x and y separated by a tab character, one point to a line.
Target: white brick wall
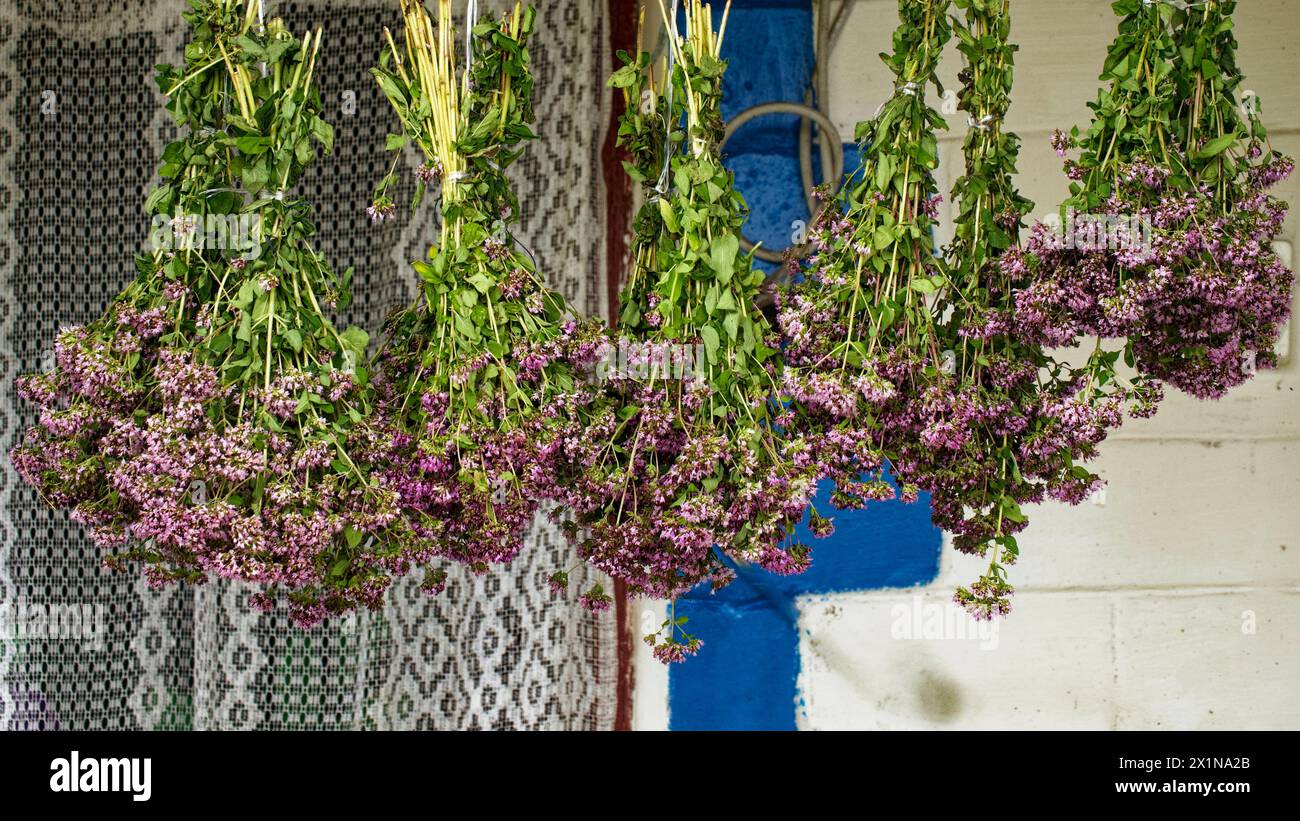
863	669
1210	661
1174	605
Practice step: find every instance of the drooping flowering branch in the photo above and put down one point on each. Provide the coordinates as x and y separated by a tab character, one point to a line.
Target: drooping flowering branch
914	358
99	371
479	372
994	391
1222	320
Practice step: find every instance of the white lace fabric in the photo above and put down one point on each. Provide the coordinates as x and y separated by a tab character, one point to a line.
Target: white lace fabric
81	132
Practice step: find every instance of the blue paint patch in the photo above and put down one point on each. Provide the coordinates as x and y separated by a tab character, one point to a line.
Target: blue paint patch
743	679
745	676
769	50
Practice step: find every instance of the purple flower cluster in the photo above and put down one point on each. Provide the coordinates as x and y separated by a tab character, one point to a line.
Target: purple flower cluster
949	422
466	430
166	464
660	489
1202	298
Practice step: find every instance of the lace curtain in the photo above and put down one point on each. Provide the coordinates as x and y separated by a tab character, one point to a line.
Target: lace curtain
81	132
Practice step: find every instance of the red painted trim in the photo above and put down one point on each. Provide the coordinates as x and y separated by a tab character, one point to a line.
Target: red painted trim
618	188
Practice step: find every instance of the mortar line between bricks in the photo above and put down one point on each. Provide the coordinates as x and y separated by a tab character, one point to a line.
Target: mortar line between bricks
1194	438
1177	589
1188	590
1114	664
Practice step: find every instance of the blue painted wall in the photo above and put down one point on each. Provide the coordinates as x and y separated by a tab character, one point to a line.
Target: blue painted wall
744	677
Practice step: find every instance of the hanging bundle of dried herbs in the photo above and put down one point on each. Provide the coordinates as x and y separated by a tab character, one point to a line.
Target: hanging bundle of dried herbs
690	463
860	331
479	375
1027	419
99	372
1169	228
911	361
202	426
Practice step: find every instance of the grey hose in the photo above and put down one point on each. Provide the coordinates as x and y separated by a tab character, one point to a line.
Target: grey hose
830	137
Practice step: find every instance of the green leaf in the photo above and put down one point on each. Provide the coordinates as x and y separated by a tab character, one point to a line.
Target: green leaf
625	77
882	238
324	134
633	172
1011	511
722	256
669	216
1216	147
884	173
465	327
352	536
356	340
427	272
303	151
255	176
732	325
253	144
221	343
711	343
